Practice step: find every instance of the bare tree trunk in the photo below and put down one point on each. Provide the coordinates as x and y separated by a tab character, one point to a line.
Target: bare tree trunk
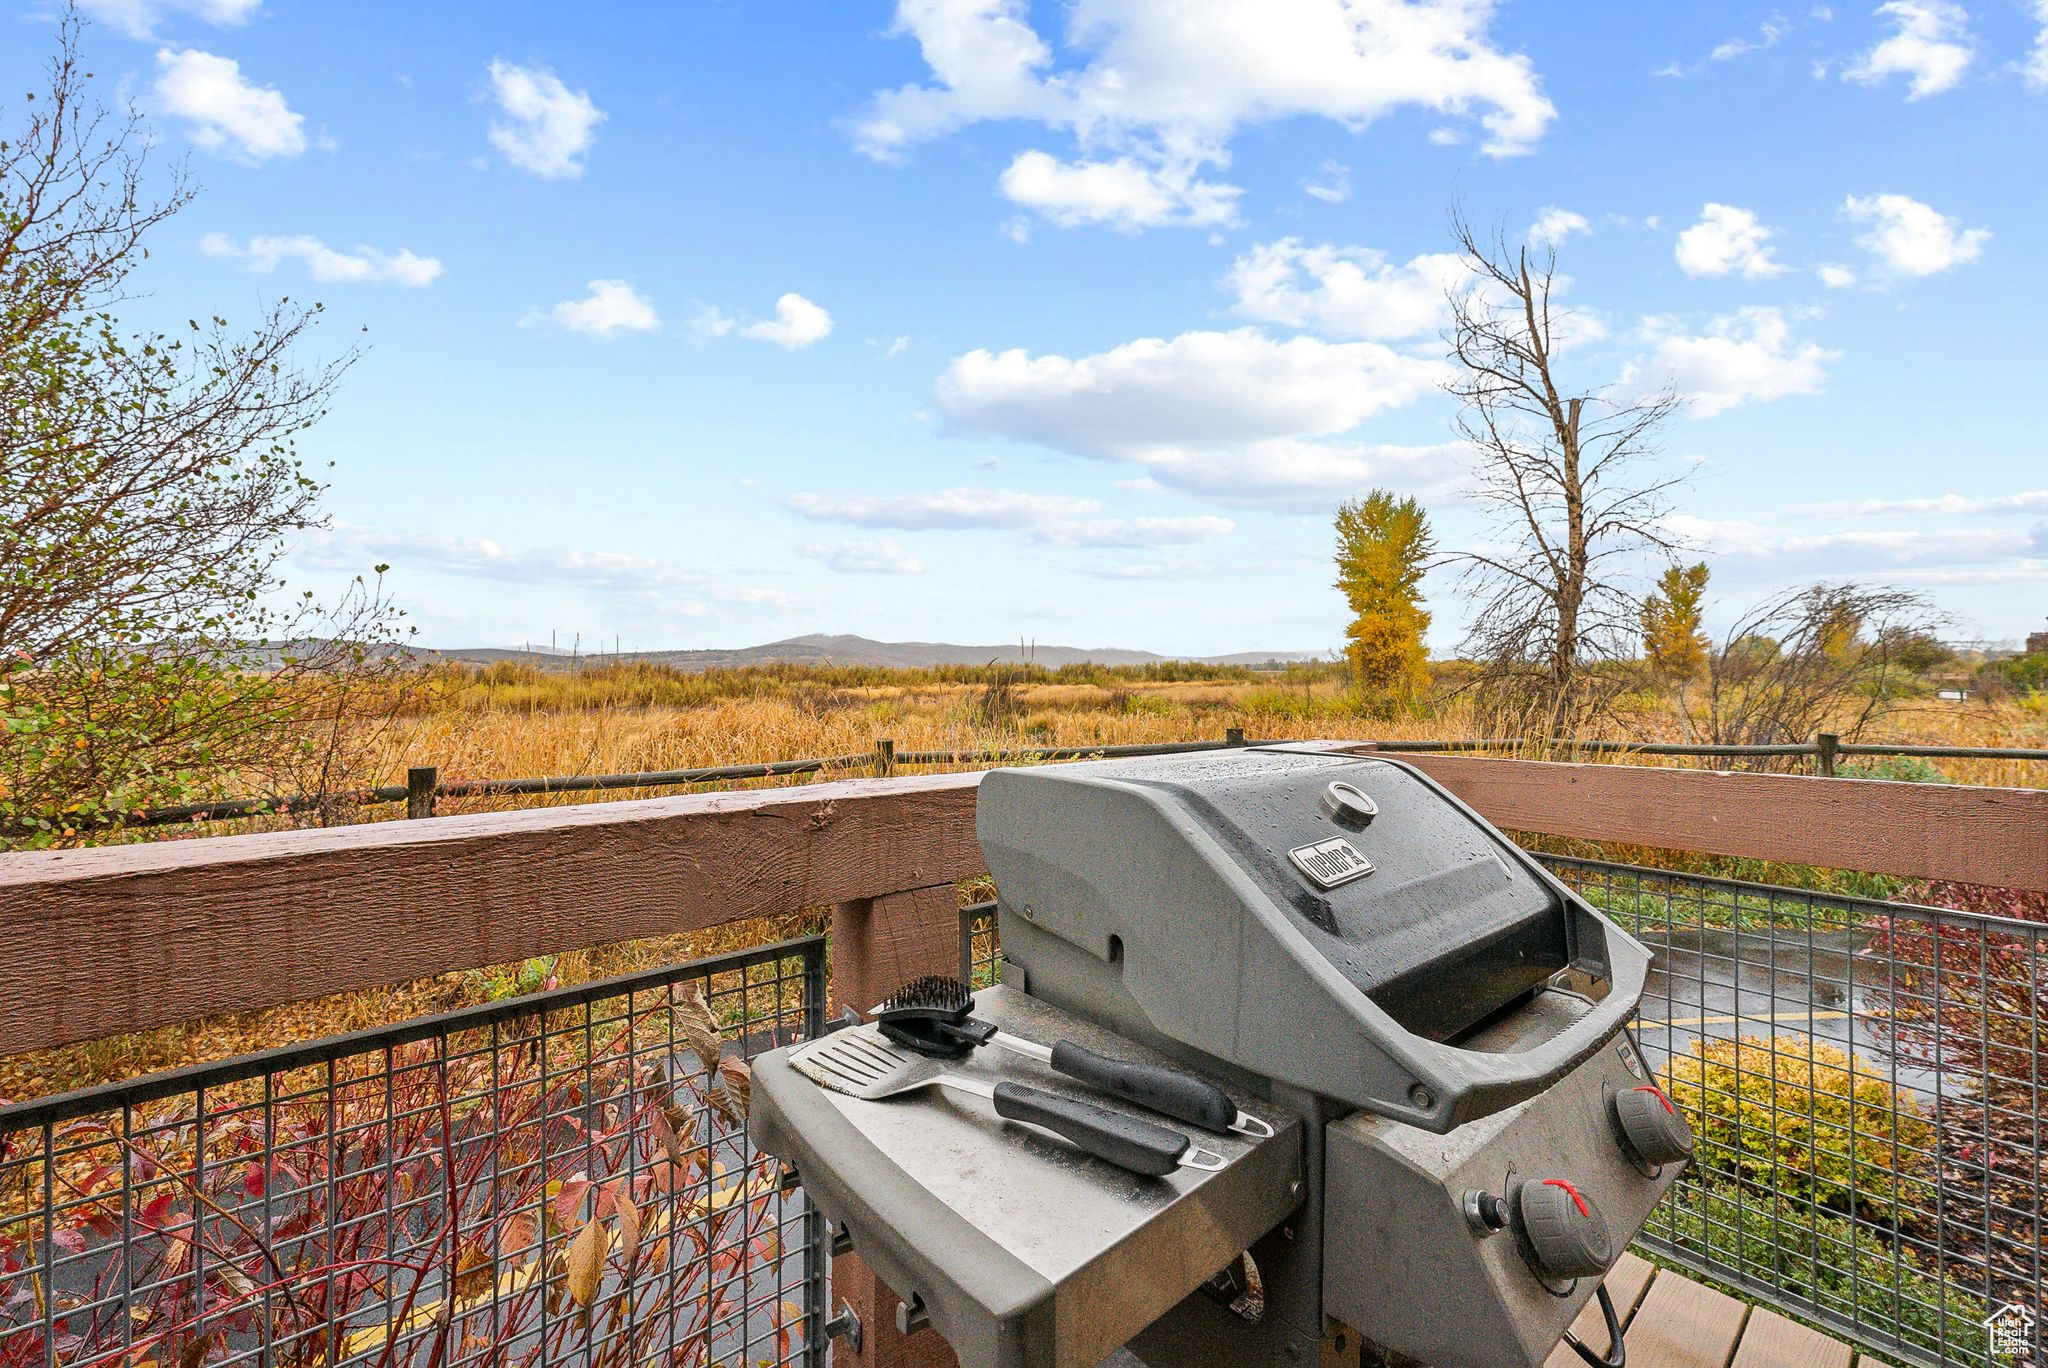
1557	468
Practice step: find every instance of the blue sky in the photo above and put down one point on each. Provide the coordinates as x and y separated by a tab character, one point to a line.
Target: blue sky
709	323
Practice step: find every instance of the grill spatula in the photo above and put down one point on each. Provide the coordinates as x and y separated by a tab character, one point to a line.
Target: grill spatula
859	1062
933	1016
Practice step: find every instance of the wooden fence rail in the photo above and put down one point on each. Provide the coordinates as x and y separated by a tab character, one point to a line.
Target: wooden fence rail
124	938
424	785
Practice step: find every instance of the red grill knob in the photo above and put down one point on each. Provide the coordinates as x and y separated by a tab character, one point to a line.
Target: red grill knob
1562	1231
1651	1129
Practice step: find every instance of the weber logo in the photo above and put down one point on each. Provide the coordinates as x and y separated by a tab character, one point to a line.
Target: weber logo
1330	862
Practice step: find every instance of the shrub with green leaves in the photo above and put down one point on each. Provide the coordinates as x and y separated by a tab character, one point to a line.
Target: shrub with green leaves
2023	674
1813	1255
1903	769
149	484
1805	1119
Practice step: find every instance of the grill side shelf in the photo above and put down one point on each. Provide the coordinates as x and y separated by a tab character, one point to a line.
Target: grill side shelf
1021	1249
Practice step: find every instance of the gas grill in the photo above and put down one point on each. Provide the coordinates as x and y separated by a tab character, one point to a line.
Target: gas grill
1463	1136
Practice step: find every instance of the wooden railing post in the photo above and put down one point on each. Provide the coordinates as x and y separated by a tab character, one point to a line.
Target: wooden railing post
420	783
885	758
1233	736
878	945
1826	747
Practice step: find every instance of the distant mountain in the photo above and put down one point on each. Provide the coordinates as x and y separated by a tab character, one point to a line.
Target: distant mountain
821	649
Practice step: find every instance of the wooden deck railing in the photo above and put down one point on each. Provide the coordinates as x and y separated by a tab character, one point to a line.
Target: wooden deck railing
102	941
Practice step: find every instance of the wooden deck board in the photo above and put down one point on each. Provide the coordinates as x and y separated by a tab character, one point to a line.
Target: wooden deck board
1771	1341
1625	1284
1682	1324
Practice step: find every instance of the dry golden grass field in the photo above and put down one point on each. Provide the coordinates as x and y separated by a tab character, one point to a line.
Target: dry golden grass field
514	722
508	722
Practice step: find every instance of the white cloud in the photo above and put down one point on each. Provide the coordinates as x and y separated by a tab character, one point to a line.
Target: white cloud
1768	35
1308	476
2026	501
1836	276
1929	45
1345	291
1153	90
881	556
1235	416
1726	241
1123	193
1049	519
224	112
139	18
1910	237
611	306
797	323
1199	387
1331	183
1357	292
709	323
348	546
1553	225
1144	533
1788	548
2036	69
610	586
948	509
362	265
547	127
1742	358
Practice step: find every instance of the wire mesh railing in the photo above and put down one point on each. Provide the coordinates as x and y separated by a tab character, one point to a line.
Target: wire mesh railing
563	1177
980	953
1864	1081
1865	1084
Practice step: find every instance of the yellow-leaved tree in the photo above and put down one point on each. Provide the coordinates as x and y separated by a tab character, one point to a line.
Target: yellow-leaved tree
1672	639
1383	547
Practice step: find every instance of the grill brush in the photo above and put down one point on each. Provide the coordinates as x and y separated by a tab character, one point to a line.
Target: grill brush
933	1015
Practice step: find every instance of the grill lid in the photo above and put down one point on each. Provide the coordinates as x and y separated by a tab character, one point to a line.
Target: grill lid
1415	906
1331	919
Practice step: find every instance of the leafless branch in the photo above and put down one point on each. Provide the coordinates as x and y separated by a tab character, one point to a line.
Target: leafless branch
1577	509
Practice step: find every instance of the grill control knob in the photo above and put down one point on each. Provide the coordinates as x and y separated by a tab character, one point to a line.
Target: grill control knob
1562	1232
1349	805
1651	1129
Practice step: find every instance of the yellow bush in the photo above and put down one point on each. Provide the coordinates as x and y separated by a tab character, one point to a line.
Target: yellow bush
1803	1119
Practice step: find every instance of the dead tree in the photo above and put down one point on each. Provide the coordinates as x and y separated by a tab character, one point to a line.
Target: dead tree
1822	657
1566	473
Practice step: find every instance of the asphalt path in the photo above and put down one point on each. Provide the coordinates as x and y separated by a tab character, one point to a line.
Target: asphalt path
1710	984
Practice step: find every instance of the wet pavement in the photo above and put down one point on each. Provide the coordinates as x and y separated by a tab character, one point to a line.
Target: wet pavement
1715	984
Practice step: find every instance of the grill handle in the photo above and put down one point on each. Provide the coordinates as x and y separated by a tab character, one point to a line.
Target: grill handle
1170	1092
1465	1084
1129	1142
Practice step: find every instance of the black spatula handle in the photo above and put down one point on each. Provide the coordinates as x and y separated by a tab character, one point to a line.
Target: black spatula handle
1129	1142
1170	1092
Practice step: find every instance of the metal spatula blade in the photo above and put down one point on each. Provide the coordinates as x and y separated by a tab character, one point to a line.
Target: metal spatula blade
860	1062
